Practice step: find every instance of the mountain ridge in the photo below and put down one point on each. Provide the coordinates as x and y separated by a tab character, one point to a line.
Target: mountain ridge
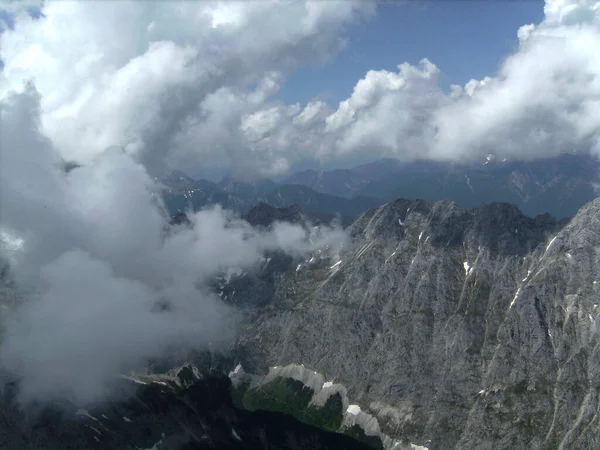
442	312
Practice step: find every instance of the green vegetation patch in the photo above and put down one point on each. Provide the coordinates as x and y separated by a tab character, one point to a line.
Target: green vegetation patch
328	417
291	397
358	433
282	395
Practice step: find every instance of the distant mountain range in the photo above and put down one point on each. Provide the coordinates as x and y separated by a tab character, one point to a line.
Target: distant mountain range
182	193
558	186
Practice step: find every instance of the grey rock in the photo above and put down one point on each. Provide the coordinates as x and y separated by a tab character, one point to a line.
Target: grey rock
467	324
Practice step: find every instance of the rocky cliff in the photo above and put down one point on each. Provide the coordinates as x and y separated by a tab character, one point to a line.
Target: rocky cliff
456	328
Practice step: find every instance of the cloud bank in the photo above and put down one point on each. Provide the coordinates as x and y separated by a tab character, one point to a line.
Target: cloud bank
184	85
97	265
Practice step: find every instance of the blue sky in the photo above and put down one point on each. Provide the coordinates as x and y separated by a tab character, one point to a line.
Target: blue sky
465	39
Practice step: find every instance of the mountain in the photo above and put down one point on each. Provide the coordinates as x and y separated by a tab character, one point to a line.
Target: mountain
186	412
316	203
181	193
435	327
559	186
453	328
342	182
348	182
255	188
389	167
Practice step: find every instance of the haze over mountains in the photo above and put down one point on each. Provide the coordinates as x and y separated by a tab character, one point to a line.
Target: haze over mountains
557	186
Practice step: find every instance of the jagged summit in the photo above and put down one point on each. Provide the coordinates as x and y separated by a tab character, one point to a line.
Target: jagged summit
470	328
501	227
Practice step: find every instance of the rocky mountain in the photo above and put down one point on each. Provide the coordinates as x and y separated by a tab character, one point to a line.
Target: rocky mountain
435	327
559	186
451	327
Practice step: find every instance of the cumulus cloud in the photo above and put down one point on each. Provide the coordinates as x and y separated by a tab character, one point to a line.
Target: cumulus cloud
181	85
169	82
96	264
545	99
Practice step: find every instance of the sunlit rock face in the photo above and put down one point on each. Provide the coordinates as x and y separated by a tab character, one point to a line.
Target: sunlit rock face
465	328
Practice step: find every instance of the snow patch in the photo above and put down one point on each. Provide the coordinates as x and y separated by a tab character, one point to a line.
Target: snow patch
390	257
84	413
336	264
95	429
468	268
515	298
235	435
127	419
420	235
400	222
550	244
353	409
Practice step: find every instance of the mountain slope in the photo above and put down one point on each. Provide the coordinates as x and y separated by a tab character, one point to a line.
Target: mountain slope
183	194
181	413
458	328
559	186
342	182
313	202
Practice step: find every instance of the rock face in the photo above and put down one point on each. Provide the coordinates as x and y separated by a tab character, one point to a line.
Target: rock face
457	328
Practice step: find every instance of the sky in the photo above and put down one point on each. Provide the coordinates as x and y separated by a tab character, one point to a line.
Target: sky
259	88
449	33
131	90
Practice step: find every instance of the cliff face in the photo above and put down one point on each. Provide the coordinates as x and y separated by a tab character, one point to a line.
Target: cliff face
459	328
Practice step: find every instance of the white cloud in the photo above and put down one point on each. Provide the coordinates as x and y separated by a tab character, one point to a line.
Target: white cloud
183	83
91	254
545	100
145	75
